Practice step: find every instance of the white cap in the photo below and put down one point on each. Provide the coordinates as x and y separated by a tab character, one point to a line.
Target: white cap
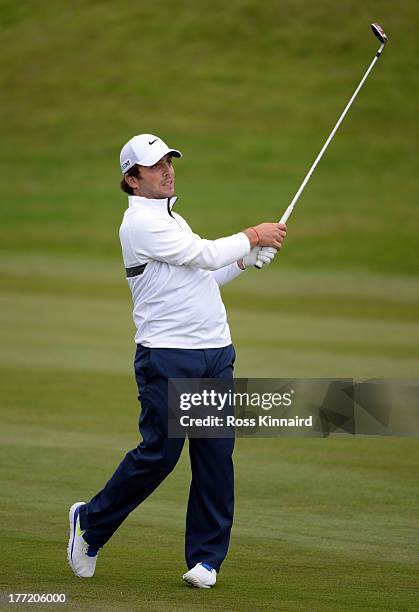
146	150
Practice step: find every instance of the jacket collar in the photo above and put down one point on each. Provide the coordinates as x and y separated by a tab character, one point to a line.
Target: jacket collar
164	204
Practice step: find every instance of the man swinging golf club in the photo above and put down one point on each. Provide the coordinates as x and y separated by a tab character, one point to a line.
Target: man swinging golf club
182	332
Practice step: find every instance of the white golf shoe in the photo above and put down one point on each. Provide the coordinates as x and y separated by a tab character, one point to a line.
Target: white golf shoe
202	576
81	556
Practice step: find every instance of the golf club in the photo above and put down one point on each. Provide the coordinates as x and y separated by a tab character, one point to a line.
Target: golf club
380	34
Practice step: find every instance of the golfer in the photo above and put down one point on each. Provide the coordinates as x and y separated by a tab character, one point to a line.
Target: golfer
182	331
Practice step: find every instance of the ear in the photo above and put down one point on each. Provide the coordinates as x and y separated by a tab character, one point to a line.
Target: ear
132	181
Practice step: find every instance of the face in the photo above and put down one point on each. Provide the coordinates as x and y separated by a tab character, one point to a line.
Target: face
156	181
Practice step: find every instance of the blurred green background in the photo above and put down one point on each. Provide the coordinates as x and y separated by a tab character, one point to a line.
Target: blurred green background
249	92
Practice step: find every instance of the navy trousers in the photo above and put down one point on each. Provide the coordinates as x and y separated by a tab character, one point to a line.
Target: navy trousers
211	497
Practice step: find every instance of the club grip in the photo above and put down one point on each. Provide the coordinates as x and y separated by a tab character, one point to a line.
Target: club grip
283	219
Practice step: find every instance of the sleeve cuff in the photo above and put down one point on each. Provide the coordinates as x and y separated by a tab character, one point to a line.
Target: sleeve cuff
246	242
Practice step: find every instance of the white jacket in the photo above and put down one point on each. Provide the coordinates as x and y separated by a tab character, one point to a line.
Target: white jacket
177	301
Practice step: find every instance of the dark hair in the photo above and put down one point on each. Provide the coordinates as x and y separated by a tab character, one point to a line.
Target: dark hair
134	171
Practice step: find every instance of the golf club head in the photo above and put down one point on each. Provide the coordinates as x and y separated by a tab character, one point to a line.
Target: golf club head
379	33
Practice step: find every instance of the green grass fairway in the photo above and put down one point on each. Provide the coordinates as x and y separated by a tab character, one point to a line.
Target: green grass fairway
249	91
320	524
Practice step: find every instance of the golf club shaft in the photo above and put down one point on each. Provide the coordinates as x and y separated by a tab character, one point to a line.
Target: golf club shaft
290	208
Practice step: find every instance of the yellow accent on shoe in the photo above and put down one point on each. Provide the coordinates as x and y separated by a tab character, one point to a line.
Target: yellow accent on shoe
79	530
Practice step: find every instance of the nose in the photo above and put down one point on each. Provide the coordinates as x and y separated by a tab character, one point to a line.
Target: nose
167	169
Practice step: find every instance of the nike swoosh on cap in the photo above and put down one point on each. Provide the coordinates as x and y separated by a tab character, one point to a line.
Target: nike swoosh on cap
152	142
